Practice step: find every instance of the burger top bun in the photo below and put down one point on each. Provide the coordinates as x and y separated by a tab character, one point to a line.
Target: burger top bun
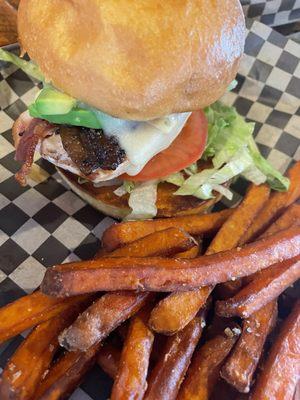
136	59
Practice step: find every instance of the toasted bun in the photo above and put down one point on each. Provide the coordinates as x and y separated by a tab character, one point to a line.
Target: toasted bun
104	200
136	59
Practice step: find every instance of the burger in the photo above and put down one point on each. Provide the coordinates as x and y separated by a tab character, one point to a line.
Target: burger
129	111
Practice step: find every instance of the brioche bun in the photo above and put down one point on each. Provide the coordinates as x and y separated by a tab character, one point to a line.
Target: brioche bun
136	59
104	200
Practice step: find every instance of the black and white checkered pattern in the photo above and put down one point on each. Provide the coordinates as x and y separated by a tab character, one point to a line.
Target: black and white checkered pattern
273	12
45	223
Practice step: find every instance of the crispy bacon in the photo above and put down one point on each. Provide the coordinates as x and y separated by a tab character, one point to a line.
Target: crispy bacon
29	133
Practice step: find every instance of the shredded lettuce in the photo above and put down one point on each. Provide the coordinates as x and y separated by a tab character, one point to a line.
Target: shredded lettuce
126	187
228	133
192	169
176	179
27	66
274	178
142	201
233	152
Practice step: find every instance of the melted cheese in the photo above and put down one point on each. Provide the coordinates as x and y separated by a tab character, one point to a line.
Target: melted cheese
143	140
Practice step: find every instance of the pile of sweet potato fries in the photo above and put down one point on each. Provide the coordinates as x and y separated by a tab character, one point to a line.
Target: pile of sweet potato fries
206	338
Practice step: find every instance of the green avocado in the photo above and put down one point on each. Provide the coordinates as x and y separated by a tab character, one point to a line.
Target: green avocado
53	102
77	116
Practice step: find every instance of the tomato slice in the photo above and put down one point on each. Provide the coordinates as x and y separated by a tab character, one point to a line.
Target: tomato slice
186	149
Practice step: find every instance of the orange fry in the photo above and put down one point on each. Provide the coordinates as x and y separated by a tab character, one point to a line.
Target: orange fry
31	310
204	370
265	287
31	360
164	274
120	234
108	359
176	310
130	381
239	369
238	223
280	374
66	375
291	217
278	202
165	379
193	252
101	318
164	243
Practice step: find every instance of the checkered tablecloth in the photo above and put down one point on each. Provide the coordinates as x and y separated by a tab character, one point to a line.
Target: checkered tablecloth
273	12
45	223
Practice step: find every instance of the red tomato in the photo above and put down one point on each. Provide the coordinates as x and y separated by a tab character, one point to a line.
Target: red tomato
186	149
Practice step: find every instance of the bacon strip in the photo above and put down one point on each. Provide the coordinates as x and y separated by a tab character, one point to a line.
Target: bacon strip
30	134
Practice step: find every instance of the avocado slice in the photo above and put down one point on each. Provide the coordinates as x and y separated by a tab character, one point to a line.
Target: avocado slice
53	102
77	116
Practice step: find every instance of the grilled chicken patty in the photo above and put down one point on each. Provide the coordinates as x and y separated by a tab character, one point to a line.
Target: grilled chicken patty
90	149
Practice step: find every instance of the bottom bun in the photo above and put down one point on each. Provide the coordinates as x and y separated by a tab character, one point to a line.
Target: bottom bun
104	199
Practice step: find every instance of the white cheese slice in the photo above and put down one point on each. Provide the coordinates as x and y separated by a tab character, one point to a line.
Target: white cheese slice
142	140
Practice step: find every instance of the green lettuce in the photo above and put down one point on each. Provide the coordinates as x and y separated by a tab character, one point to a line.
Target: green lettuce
142	201
233	152
27	66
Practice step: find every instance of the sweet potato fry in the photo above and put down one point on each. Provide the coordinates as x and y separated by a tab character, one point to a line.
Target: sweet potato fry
120	234
239	222
165	379
236	227
204	370
280	374
239	368
108	359
130	381
66	374
163	274
164	243
101	318
278	202
291	217
193	252
228	289
265	287
175	311
26	367
31	310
